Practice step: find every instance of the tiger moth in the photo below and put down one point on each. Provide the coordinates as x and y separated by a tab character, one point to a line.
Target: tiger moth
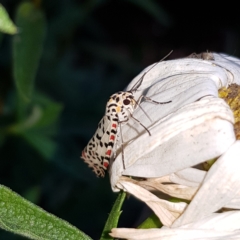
119	109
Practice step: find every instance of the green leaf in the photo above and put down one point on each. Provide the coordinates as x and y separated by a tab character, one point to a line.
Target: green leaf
151	222
6	24
24	218
27	48
113	217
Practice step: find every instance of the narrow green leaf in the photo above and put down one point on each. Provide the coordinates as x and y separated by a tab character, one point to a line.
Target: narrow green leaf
151	222
24	218
27	48
113	217
6	24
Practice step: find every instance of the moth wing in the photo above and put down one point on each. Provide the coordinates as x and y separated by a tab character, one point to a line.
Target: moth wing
94	153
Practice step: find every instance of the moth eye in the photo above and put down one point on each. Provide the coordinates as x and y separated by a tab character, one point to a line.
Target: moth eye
126	101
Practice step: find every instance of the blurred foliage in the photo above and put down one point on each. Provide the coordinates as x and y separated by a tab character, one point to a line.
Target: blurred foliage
85	51
6	24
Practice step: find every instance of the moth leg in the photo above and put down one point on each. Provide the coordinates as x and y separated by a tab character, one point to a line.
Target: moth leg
116	145
120	126
138	120
141	124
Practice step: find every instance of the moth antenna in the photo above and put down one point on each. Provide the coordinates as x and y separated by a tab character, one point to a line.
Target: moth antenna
139	82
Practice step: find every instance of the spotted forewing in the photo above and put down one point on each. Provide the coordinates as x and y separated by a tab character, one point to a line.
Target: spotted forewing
119	109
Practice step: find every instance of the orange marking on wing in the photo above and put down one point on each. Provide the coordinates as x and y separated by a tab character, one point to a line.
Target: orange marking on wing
105	164
114	125
108	152
112	137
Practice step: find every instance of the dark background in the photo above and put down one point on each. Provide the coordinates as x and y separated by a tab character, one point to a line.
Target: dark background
93	49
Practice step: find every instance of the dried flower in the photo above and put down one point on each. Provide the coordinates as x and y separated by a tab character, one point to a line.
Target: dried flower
195	127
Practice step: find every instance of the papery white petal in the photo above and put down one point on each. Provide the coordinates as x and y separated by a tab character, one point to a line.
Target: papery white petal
184	82
174	190
173	234
224	70
217	226
191	177
220	186
196	126
167	211
226	221
234	203
231	65
181	73
190	136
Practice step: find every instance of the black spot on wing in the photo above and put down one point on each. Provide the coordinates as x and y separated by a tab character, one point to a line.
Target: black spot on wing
112	105
98	137
113	131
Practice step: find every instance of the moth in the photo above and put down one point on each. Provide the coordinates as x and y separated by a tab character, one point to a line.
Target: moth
119	110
